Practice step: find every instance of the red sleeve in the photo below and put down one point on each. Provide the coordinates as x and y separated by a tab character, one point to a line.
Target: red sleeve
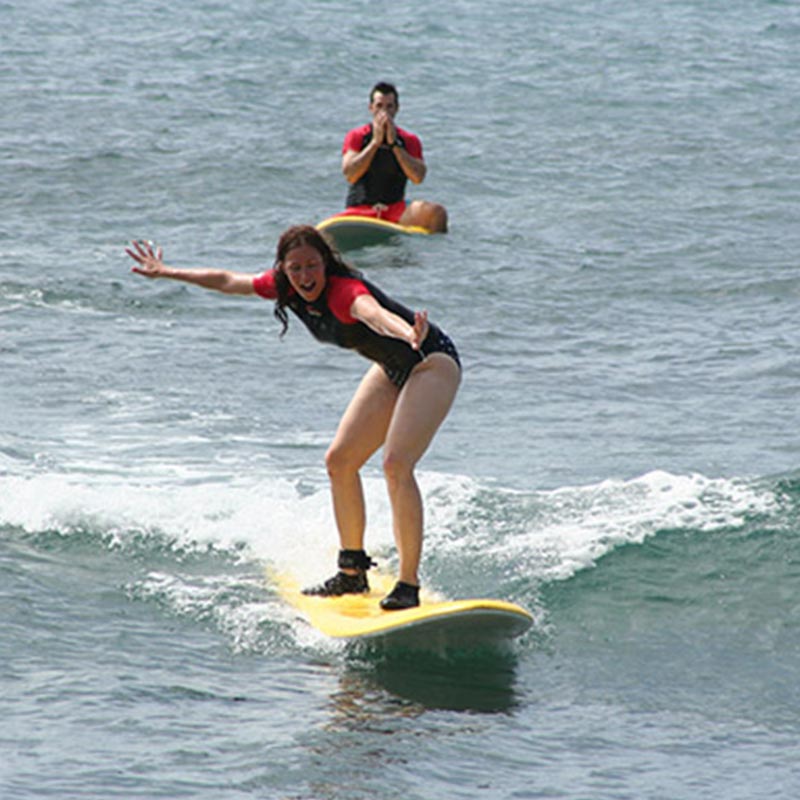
264	285
354	139
412	143
341	294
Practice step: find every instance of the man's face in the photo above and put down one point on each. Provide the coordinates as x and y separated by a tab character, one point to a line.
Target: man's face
383	102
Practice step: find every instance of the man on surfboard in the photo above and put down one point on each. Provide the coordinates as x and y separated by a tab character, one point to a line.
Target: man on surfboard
400	403
378	159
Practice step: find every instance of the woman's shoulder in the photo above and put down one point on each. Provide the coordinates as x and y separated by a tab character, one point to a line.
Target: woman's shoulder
264	284
343	279
342	291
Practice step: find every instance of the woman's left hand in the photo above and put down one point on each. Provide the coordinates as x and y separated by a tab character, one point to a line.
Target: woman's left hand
421	329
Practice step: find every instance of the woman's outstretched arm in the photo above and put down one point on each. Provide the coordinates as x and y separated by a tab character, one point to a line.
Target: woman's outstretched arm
151	265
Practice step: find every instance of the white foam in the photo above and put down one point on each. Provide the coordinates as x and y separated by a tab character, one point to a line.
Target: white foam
575	526
288	525
272	521
278	523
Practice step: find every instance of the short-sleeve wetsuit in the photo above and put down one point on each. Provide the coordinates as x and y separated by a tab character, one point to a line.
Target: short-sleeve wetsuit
329	320
384	182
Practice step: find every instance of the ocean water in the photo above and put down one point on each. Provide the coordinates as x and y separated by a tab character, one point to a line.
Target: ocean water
621	279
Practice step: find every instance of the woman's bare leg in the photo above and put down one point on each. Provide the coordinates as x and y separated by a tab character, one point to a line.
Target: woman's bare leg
420	409
361	431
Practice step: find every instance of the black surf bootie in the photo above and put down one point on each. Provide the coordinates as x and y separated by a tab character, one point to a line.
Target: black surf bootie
404	595
343	582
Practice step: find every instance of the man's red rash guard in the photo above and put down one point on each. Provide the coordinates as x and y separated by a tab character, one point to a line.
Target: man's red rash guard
384	182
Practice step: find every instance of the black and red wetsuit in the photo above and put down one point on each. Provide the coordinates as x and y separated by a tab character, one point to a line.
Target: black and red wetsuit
384	183
329	320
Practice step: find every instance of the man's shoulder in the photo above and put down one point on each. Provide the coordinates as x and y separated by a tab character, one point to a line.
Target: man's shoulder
411	141
362	129
354	138
406	133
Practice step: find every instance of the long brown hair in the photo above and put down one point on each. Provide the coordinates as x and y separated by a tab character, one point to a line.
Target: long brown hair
298	236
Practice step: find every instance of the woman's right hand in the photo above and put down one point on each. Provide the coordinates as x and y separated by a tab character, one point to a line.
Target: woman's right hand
149	259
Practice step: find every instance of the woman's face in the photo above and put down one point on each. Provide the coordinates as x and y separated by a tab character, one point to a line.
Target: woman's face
305	269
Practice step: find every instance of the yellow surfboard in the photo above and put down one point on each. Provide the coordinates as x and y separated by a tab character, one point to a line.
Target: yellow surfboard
351	232
434	623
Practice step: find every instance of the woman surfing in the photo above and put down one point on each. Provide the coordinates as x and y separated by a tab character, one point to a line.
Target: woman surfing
400	403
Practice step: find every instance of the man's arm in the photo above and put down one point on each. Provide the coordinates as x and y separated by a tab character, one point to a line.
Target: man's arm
414	168
355	163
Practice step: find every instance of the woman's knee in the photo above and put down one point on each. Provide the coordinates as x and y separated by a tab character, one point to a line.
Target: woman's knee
397	466
339	461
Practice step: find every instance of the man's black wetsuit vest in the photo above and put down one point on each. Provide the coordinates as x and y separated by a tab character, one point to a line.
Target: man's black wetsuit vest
396	356
384	181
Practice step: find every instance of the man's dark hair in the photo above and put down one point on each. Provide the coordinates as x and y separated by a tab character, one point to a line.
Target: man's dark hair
384	88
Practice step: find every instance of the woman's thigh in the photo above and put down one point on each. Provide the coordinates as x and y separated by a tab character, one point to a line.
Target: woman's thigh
363	426
421	407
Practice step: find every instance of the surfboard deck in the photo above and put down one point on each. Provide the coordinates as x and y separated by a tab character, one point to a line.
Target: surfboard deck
434	623
351	232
